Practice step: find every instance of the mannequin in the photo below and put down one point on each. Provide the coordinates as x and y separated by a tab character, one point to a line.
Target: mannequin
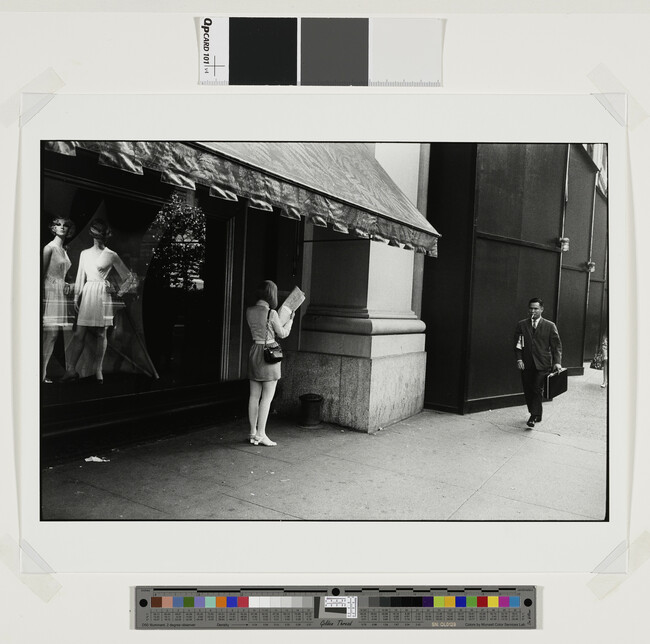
56	290
96	310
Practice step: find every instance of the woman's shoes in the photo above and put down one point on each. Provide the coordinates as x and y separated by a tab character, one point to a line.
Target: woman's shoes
263	440
252	439
603	385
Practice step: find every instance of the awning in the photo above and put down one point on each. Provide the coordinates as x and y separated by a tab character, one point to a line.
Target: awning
340	185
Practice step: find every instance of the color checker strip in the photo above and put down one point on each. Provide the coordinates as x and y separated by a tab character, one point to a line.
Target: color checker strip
427	601
444	601
232	601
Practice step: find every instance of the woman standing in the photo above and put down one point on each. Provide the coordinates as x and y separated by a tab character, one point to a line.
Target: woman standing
265	326
95	313
56	265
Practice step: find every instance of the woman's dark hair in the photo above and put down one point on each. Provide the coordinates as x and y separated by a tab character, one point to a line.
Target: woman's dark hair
71	230
99	229
268	291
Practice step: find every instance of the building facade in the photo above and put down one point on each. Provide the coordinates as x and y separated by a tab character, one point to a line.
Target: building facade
199	225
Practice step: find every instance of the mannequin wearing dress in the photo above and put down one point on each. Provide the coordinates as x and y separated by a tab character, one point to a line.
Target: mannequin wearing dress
95	313
56	265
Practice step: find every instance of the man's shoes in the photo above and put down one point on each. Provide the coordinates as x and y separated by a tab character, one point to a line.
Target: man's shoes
538	419
531	422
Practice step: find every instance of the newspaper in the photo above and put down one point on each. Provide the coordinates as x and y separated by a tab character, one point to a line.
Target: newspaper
291	304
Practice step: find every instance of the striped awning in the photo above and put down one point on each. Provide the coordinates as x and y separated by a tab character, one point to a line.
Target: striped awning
340	185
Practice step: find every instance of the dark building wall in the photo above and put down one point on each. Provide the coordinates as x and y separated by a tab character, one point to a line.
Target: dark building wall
501	210
597	305
574	283
518	220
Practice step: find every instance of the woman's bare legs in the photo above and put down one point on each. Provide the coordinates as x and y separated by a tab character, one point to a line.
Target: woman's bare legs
49	340
253	407
605	374
259	405
268	391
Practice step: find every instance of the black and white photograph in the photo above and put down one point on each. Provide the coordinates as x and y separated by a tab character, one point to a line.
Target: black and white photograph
323	331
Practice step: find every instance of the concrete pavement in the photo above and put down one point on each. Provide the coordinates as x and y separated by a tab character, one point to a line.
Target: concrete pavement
432	466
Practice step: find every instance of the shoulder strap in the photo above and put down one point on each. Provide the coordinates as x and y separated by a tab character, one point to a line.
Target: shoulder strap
268	319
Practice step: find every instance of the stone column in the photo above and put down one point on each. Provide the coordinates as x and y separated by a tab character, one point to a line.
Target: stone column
361	346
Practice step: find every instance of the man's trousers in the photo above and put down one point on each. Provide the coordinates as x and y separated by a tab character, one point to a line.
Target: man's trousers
533	382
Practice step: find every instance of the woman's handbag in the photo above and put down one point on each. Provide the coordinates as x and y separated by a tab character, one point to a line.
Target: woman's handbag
597	360
272	352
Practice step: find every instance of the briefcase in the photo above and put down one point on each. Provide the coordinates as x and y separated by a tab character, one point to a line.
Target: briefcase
555	384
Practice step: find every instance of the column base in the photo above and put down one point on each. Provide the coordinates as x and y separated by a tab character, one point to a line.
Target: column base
363	393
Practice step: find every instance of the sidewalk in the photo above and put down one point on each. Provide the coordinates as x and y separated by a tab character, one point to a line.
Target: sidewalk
433	466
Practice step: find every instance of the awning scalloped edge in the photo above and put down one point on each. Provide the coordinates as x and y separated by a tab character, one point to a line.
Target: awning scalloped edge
185	166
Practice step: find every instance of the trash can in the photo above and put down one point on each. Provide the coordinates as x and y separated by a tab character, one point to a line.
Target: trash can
310	408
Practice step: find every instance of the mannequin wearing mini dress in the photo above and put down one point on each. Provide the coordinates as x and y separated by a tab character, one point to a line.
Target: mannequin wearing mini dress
95	313
265	325
56	265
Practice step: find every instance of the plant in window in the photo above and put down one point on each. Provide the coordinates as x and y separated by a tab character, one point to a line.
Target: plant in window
178	237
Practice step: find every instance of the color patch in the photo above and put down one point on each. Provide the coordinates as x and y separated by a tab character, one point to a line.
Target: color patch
438	602
263	51
242	602
231	602
504	602
481	602
167	602
334	51
221	602
156	602
210	602
514	602
427	602
178	602
461	602
493	602
188	602
471	601
199	602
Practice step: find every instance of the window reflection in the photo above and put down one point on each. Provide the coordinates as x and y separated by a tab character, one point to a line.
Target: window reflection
120	297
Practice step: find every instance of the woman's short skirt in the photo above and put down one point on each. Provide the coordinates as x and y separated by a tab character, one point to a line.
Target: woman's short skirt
260	370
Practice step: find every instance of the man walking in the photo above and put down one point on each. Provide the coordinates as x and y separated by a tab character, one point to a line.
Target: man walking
539	350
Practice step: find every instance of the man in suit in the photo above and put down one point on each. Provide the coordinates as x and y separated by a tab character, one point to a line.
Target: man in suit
538	349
